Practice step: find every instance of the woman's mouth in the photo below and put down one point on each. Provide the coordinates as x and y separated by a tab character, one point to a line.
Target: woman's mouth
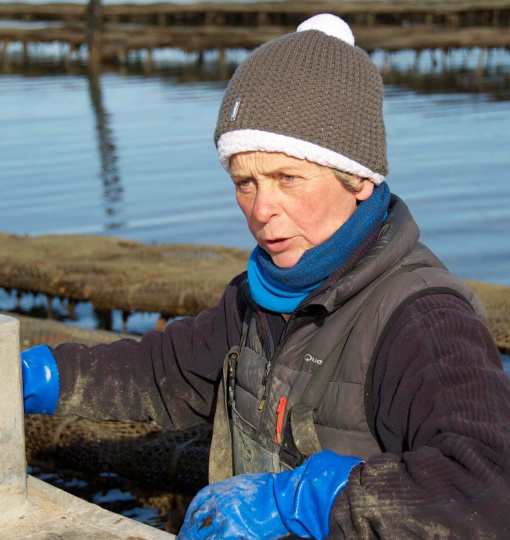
278	244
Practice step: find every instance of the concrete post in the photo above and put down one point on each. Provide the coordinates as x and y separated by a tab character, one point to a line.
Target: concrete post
13	476
34	509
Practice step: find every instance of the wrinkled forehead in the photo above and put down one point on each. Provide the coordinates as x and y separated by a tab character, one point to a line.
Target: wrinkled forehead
268	163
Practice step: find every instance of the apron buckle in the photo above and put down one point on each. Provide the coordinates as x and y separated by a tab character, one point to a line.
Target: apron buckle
233	357
289	454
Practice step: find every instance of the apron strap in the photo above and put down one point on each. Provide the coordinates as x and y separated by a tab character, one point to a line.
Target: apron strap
221	464
300	439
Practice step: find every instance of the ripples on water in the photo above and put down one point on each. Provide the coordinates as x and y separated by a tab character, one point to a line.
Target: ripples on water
132	155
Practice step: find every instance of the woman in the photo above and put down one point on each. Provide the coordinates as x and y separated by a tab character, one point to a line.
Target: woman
361	394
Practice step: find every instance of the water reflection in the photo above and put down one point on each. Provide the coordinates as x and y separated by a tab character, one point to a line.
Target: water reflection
447	128
109	174
454	75
458	81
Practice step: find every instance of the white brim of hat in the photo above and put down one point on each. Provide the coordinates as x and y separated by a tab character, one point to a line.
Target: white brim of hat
253	140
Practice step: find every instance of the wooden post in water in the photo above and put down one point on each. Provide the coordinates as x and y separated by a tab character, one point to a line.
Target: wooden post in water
49	300
387	63
161	322
26	56
94	30
433	57
5	60
417	60
444	57
125	317
104	318
481	60
148	62
223	71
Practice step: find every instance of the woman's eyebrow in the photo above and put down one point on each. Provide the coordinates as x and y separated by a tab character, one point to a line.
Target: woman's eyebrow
240	176
289	170
283	169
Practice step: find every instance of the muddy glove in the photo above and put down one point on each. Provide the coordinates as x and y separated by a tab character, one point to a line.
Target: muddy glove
40	380
269	505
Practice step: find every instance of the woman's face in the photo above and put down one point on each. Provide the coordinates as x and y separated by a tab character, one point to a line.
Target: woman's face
290	204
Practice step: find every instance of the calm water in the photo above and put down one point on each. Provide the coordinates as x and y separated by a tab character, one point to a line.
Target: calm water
132	155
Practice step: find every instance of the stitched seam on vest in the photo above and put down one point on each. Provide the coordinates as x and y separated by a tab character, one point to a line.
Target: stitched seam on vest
342	430
311	373
346	382
369	409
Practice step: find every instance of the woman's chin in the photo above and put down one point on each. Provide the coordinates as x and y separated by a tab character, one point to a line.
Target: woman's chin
285	260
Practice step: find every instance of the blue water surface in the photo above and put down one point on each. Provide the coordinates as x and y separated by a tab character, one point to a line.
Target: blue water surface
161	181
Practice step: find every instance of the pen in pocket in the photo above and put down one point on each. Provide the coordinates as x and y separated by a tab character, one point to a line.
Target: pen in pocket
280	411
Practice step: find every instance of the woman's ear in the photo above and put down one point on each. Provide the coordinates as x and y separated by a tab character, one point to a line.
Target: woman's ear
366	190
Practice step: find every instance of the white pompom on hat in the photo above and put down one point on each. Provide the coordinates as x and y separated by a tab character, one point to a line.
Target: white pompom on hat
311	94
331	25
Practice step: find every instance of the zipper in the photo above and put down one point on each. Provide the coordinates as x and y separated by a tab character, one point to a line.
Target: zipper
267	368
268	334
274	359
271	349
268	341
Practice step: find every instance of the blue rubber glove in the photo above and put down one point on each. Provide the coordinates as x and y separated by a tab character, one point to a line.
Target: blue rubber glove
270	505
40	380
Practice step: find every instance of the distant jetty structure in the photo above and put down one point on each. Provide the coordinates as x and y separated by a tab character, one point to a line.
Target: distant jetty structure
206	26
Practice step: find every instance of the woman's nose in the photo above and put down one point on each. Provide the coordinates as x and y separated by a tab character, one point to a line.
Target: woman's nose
265	205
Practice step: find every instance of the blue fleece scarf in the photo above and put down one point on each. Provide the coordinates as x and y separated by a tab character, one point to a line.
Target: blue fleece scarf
283	289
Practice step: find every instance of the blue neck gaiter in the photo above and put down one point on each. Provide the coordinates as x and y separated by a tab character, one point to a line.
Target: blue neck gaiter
283	289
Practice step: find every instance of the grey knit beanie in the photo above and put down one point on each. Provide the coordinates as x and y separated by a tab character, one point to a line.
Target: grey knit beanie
312	95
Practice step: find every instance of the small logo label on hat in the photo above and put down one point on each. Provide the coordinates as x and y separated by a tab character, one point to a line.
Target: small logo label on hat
235	109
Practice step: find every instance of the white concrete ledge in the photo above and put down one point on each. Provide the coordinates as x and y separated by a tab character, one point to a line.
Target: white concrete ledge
36	510
12	431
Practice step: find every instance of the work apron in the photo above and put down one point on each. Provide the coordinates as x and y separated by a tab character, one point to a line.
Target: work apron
238	447
254	451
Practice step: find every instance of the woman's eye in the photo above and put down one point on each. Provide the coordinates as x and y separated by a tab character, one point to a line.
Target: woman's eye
244	184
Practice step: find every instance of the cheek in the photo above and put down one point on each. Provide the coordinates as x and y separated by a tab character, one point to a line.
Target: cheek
246	206
314	208
242	203
323	213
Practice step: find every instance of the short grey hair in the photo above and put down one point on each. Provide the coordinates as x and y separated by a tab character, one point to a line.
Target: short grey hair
351	182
